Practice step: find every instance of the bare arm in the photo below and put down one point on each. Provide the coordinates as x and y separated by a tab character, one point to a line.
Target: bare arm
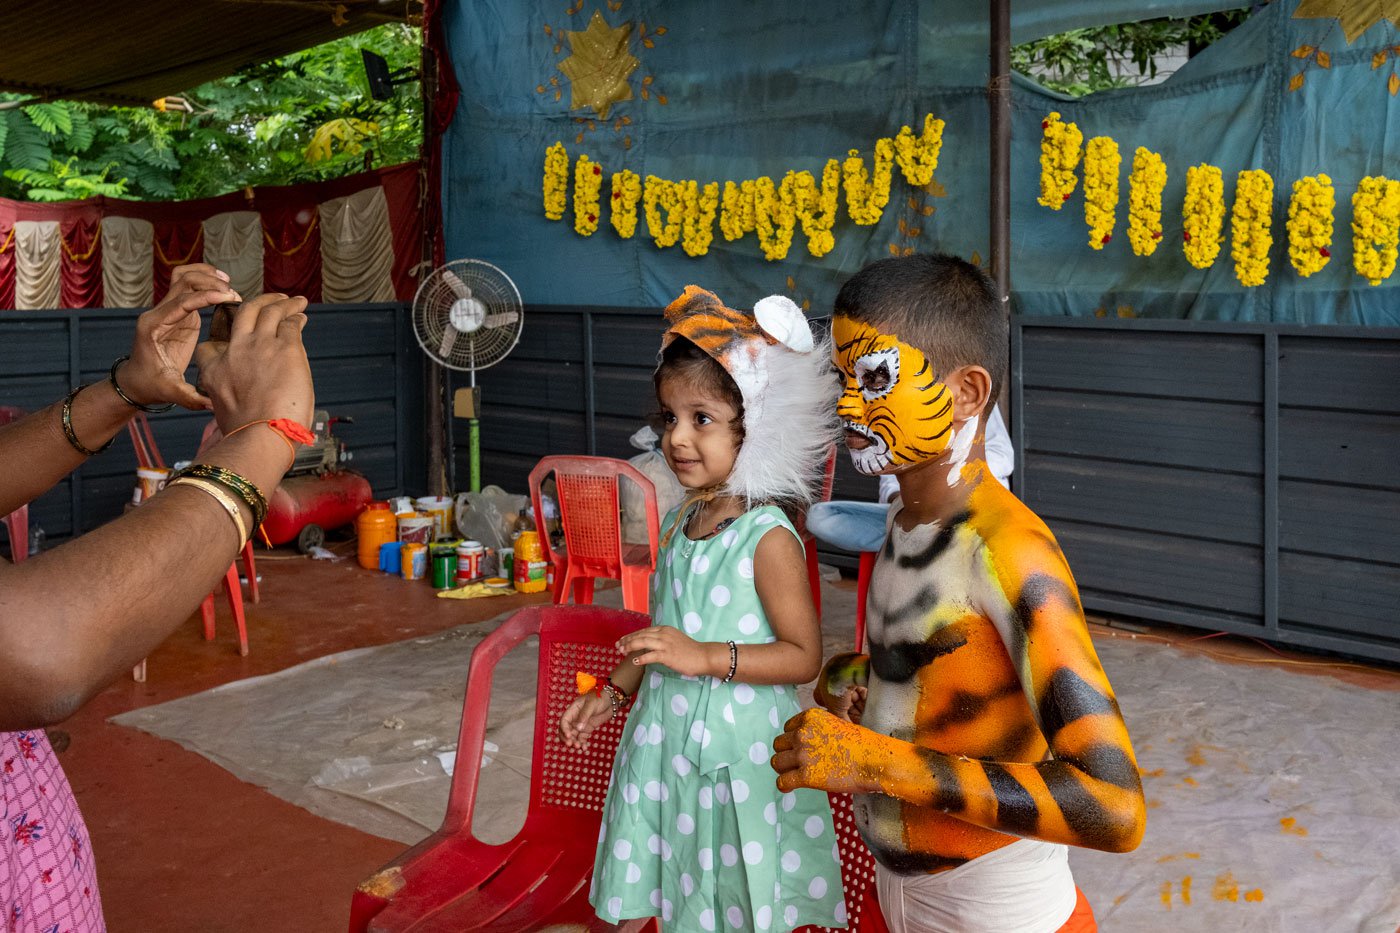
780	577
142	574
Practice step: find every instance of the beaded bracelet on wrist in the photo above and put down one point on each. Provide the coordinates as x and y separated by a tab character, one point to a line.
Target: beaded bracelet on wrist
68	432
112	378
733	661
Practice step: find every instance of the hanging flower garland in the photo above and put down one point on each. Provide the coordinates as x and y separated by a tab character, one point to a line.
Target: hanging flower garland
1251	220
918	156
1145	184
698	224
736	216
626	192
1375	227
867	192
556	181
816	207
660	194
1059	157
1202	215
1310	221
588	181
775	215
1101	164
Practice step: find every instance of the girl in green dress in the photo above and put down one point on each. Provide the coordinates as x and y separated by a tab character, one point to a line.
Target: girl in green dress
694	829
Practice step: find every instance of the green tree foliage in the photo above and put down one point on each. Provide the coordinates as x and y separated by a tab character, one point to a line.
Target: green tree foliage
304	117
1101	58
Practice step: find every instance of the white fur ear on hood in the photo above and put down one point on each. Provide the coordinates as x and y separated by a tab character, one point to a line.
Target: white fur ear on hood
781	319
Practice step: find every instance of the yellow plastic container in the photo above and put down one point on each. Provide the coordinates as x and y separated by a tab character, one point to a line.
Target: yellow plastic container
376	525
529	563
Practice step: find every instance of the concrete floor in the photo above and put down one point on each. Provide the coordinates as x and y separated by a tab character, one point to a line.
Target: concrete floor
182	845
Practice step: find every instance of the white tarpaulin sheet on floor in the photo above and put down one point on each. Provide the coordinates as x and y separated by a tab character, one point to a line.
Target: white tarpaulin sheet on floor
1272	794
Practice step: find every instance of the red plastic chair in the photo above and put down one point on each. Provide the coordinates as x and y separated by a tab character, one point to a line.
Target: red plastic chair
593	545
452	882
17	522
148	456
867	567
809	543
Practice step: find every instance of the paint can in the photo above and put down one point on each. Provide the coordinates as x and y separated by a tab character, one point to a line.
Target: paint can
414	564
149	481
443	558
469	554
439	508
415	527
390	556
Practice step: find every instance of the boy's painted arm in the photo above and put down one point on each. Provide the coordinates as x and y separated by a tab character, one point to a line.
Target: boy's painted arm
840	674
1089	793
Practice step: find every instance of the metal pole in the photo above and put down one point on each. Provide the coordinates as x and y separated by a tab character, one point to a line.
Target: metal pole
999	105
434	393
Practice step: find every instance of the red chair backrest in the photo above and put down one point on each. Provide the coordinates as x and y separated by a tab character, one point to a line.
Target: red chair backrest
572	639
588	505
9	413
147	453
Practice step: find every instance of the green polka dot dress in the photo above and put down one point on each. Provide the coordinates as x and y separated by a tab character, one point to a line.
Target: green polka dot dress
695	830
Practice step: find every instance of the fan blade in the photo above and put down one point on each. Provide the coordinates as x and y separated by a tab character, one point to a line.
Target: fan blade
503	319
459	288
449	338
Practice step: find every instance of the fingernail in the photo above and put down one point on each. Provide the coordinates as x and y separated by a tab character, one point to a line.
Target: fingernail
221	274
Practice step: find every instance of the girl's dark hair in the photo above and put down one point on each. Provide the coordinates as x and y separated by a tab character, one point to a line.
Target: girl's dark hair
683	360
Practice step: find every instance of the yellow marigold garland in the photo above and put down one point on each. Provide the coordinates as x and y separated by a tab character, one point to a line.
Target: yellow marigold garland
1145	184
775	215
867	192
626	192
1310	219
1251	220
698	223
918	156
660	194
1375	227
816	207
556	181
1059	156
1101	163
1202	214
736	215
588	180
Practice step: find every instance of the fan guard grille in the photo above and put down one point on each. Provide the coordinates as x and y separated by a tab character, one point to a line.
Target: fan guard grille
492	303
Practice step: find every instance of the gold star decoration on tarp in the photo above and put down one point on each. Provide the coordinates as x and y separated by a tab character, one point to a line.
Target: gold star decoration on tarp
1356	16
600	66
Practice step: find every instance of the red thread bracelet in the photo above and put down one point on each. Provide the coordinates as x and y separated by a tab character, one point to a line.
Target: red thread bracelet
291	432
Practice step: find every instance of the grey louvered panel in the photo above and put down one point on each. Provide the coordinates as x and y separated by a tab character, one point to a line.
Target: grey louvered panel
1350	375
1355	448
1340	597
1220	367
1340	521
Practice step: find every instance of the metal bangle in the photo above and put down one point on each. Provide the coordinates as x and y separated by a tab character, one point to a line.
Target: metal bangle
733	662
225	500
68	427
245	490
112	378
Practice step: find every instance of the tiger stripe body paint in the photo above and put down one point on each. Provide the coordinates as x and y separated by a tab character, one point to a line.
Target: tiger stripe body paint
988	715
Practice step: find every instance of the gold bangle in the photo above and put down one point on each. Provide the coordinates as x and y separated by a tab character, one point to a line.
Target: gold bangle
229	503
68	432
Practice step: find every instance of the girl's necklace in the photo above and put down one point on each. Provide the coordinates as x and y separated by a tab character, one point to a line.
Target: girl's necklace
690	542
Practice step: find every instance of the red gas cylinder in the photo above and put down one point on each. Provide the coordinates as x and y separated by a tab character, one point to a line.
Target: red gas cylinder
304	507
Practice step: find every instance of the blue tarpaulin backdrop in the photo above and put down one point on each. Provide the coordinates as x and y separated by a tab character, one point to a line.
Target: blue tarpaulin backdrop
756	89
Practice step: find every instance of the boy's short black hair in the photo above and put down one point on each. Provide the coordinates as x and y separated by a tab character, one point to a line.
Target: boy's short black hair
942	305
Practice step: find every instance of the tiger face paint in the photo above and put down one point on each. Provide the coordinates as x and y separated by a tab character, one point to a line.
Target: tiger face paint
891	397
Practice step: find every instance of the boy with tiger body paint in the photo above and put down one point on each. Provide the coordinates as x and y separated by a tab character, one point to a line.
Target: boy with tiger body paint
979	735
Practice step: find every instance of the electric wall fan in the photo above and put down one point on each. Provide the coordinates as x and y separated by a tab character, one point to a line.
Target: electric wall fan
467	315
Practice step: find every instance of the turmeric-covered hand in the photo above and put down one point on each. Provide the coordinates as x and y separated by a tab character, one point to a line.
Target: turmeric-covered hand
820	750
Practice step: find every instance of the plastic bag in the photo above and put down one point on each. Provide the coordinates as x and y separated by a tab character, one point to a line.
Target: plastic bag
669	491
490	516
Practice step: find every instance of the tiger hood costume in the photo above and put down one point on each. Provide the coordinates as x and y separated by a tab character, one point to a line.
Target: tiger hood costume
780	368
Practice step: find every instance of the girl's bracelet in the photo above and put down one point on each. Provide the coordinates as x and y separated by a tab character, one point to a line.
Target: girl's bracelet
67	417
733	662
